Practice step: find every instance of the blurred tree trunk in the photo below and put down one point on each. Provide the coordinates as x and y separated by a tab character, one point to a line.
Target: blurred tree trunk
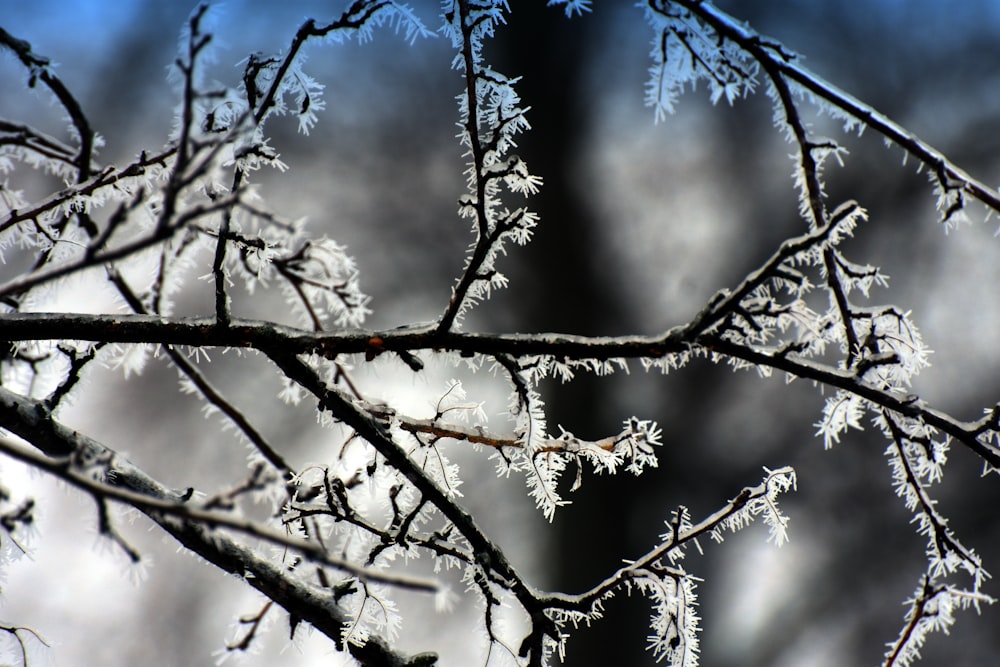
565	281
557	285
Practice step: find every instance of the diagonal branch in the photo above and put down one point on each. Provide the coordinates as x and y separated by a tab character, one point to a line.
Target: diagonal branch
107	177
17	134
814	193
772	54
376	432
30	420
726	303
89	260
679	539
208	392
907	404
490	558
40	70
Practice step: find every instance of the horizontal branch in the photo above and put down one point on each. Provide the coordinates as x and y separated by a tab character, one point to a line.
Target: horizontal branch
436	429
269	337
260	335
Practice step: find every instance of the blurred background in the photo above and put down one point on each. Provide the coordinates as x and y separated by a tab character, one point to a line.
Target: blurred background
640	225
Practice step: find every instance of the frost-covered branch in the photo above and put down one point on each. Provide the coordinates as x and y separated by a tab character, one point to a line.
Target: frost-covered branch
345	526
106	475
748	503
200	383
917	460
675	621
39	69
21	635
102	182
91	466
35	147
264	335
812	196
950	177
54	272
490	118
967	433
724	304
374	431
932	609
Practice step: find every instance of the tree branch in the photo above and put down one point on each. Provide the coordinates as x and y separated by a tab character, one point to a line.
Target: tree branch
771	54
38	66
193	529
269	337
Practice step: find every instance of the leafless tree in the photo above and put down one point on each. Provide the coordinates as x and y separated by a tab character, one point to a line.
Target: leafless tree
346	532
